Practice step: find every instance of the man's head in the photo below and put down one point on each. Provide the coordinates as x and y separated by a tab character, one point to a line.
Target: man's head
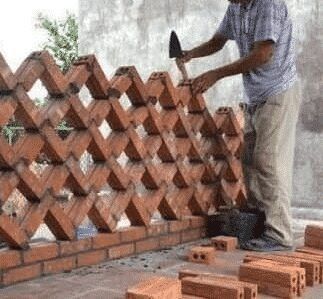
239	1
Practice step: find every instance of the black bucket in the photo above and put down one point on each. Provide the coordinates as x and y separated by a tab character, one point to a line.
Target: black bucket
243	225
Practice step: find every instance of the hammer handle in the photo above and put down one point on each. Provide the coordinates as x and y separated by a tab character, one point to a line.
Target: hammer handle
181	66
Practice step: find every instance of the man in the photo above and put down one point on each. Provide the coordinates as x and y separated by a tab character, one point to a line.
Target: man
262	30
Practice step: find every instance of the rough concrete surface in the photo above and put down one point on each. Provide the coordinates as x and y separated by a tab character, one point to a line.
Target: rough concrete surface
110	280
136	32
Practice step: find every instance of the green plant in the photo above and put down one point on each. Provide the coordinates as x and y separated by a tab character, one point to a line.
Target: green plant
62	43
62	38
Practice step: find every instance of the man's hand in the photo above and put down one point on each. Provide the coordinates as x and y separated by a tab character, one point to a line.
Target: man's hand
203	82
187	56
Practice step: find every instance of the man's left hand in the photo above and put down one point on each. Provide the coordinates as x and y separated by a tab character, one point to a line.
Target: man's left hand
203	82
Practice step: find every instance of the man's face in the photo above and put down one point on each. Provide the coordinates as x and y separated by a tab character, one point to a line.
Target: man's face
239	1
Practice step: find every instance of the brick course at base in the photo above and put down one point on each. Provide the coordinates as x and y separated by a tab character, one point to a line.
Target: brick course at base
17	266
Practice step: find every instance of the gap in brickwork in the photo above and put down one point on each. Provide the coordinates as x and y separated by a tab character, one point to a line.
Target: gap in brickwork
105	129
125	102
141	131
16	205
123	221
86	162
86	229
43	233
39	168
39	94
64	128
158	107
64	197
13	130
85	96
156	217
105	190
123	160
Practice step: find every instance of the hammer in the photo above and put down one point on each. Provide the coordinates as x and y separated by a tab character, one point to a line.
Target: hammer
175	51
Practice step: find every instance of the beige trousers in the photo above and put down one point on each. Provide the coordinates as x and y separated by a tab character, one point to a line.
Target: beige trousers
268	159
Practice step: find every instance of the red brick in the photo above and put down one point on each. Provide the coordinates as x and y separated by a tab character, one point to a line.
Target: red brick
170	240
209	288
146	245
178	225
271	280
132	233
105	240
21	274
157	229
301	281
250	290
70	248
156	288
197	221
9	259
192	235
65	264
225	243
40	252
314	230
12	234
203	255
121	251
91	258
194	273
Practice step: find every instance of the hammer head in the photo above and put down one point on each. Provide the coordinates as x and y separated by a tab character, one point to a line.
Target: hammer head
175	49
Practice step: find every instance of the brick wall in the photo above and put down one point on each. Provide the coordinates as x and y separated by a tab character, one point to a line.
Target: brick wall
177	160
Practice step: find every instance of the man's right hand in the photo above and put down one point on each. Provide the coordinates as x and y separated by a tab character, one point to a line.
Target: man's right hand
187	56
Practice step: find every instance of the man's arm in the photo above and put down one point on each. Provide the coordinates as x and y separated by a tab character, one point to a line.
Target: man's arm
215	44
261	54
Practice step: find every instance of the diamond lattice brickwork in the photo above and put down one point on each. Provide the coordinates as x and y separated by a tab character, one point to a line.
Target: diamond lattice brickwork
155	146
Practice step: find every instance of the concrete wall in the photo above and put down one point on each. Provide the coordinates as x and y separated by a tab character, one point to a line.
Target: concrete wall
136	32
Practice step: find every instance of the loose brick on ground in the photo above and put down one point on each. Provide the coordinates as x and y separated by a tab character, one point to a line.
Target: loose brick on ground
271	280
209	288
225	243
312	268
156	288
204	255
194	273
301	278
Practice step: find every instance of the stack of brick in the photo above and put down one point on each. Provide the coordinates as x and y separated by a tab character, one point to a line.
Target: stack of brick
306	262
312	267
313	255
272	279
